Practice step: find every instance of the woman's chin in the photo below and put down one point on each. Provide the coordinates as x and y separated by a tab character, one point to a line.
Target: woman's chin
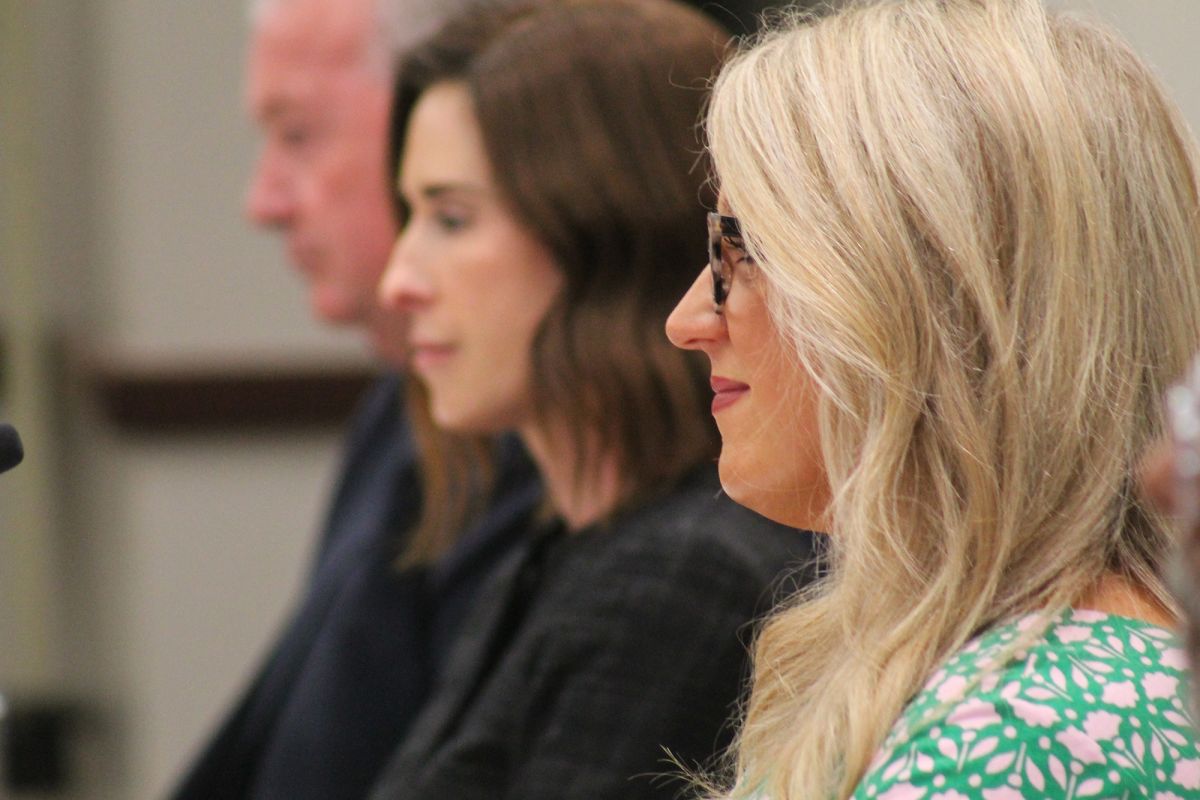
741	490
789	507
455	420
469	420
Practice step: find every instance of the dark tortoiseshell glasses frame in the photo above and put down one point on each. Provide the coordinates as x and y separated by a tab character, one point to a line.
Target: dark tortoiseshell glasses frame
724	233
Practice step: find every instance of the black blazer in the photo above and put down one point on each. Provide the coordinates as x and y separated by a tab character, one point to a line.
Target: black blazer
355	663
603	652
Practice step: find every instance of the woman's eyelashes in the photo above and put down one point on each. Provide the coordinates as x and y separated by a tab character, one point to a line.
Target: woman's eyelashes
735	249
440	221
451	221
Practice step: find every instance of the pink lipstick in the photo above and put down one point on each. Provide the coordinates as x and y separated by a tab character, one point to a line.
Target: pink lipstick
727	392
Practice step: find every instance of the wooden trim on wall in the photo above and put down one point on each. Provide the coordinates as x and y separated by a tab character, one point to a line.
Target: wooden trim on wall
222	399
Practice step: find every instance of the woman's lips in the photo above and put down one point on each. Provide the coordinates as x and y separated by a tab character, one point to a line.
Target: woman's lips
426	356
726	392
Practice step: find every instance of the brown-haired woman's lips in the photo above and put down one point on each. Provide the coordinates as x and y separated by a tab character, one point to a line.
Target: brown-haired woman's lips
424	356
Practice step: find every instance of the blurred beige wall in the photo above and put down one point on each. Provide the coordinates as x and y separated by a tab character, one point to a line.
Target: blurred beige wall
141	574
1165	32
145	574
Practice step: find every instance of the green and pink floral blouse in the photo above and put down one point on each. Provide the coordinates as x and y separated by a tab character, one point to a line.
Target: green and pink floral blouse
1095	708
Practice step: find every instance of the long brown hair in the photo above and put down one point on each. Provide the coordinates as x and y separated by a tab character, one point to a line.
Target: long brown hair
589	110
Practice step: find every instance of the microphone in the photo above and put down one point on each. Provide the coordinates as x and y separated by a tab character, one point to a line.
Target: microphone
11	451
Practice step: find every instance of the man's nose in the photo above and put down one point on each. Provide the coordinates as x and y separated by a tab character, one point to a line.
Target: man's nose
270	199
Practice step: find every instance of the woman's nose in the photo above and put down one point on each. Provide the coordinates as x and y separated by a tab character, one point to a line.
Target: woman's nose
694	323
404	286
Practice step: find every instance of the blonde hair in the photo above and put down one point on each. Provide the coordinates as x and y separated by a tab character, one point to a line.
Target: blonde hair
977	223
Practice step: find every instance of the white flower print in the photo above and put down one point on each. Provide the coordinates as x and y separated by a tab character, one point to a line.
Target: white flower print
1121	694
1090	711
1082	747
1036	715
973	713
952	689
1101	725
1187	773
1158	685
1069	634
1003	793
1175	658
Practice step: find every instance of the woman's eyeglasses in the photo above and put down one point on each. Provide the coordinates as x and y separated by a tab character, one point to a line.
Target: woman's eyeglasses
725	248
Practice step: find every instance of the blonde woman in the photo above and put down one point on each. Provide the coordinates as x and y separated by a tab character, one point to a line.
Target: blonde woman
954	268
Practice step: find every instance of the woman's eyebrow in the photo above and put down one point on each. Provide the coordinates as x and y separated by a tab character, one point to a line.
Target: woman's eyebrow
434	191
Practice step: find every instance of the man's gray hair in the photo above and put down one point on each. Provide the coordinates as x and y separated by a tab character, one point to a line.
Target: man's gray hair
404	23
399	24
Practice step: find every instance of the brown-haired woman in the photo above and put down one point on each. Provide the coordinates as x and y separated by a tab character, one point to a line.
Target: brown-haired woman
550	189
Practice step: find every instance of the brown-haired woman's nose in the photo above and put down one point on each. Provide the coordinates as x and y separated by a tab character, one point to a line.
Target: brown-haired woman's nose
404	286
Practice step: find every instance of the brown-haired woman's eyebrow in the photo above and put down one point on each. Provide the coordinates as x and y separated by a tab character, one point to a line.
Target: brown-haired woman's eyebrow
435	191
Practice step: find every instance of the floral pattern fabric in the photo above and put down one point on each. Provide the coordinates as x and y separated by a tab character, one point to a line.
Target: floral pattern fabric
1094	708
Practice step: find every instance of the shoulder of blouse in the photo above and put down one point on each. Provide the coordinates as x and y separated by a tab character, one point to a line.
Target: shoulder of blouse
1093	707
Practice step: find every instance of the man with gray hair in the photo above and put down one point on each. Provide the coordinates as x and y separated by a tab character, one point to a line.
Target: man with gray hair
358	657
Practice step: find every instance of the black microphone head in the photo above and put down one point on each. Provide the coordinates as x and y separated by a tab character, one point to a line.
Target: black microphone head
11	451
